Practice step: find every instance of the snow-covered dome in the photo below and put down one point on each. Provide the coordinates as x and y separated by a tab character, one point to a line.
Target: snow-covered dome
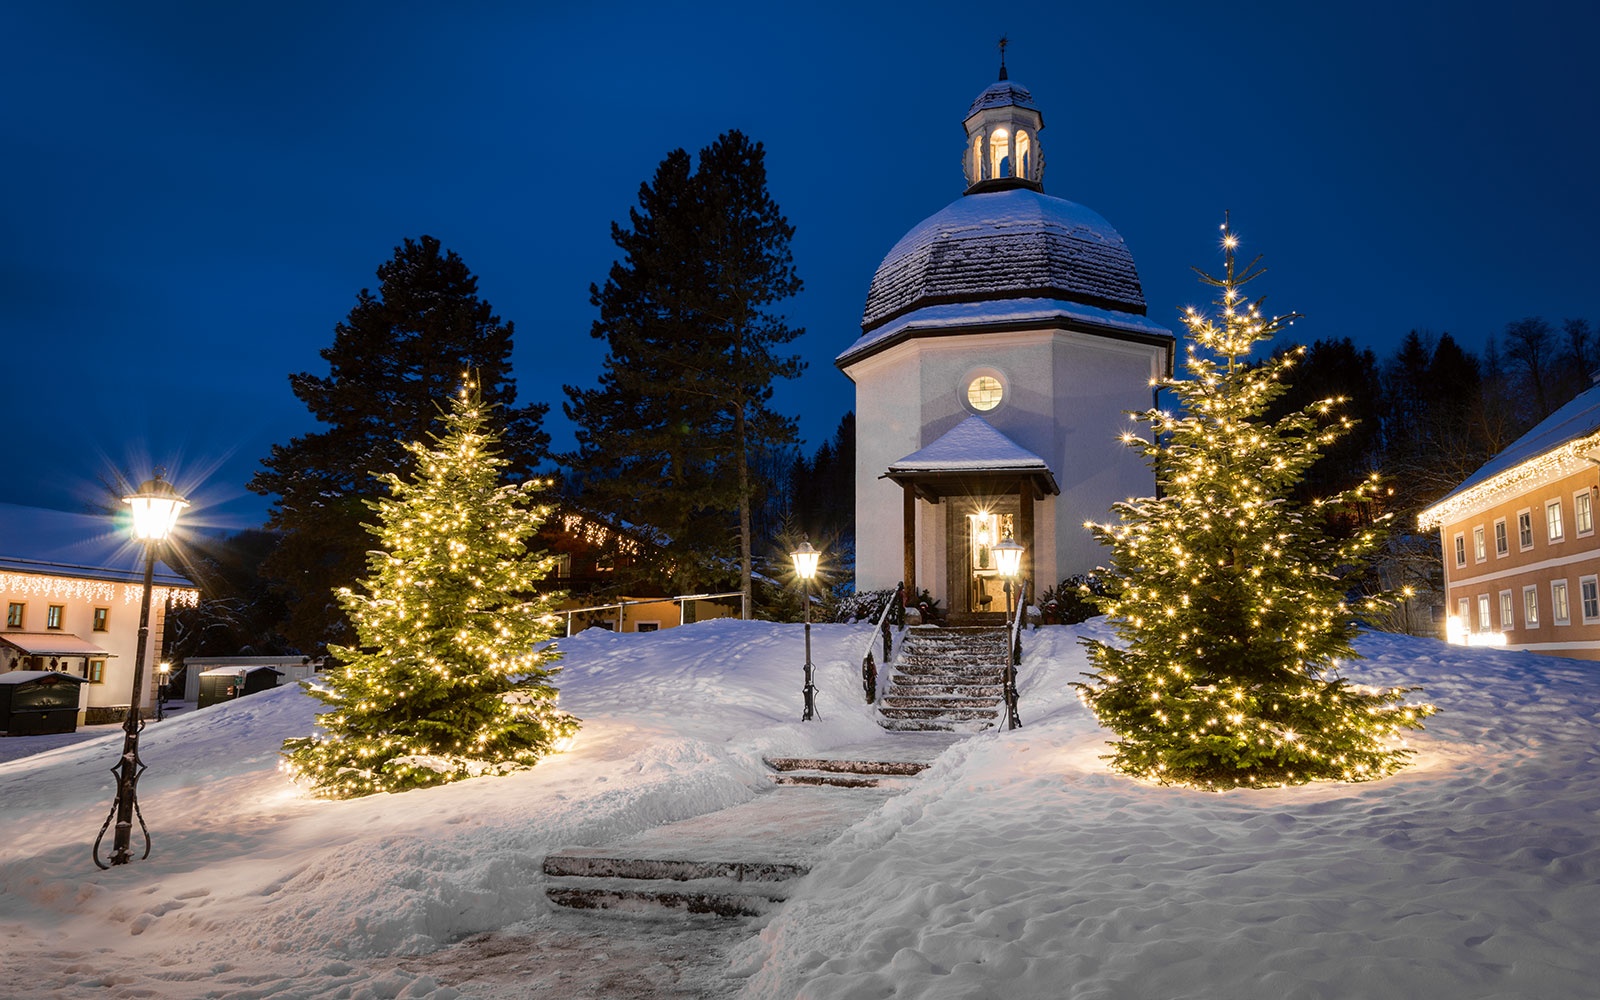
1005	239
1007	244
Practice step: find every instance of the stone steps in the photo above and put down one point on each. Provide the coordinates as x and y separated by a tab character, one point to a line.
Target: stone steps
945	680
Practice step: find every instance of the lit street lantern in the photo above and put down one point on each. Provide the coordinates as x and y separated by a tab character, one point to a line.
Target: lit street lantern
155	512
163	678
805	567
1008	560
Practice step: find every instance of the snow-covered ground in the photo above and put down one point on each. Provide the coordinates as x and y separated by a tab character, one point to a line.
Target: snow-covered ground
1017	866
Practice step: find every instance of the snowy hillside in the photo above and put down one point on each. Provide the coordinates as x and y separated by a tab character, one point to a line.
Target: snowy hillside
1015	867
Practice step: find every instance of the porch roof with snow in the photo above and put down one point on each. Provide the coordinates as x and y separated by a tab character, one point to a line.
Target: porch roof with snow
973	456
1565	441
51	644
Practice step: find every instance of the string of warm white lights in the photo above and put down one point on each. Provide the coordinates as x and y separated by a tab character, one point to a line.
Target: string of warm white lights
68	588
451	676
1226	595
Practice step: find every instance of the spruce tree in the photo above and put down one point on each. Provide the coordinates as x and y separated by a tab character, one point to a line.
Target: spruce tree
449	680
399	350
1227	595
669	440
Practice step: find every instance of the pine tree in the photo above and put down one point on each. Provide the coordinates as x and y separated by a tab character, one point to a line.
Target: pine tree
449	680
398	352
1227	594
670	439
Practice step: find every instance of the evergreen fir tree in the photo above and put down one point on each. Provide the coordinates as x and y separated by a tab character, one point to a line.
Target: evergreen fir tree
672	439
447	682
1227	594
397	353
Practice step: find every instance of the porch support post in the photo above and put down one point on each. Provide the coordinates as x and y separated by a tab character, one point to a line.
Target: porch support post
1025	527
909	527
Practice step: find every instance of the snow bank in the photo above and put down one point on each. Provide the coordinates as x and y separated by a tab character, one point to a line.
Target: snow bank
1015	867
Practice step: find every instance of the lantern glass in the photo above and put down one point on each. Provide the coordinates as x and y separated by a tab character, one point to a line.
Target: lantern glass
155	509
805	560
1008	558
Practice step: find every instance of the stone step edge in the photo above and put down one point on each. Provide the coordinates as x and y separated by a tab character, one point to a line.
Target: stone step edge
597	866
839	766
638	901
934	726
944	714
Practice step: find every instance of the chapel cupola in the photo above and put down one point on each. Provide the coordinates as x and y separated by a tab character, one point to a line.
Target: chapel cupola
1002	149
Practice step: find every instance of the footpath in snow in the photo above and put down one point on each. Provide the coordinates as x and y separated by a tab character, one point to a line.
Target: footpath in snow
1014	866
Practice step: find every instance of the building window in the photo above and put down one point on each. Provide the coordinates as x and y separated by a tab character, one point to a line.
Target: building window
563	566
97	671
100	617
52	616
1483	613
1501	545
1589	592
1461	550
984	393
1552	520
1530	606
14	615
1464	612
1560	611
1507	611
1480	552
1583	513
647	627
1525	529
1024	155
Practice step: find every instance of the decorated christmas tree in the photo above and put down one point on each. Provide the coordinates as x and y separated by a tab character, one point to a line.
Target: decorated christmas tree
1229	598
450	680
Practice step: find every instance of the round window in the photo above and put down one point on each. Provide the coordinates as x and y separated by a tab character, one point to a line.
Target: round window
984	393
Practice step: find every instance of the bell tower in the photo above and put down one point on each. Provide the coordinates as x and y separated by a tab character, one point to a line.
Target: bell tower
1002	148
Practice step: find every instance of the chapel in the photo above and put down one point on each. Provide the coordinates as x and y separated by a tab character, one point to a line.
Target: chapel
1003	344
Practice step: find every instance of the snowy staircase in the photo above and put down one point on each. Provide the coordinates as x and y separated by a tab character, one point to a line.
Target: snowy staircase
738	862
946	679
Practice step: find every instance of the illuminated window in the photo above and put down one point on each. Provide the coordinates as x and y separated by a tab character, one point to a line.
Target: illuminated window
1589	593
1508	612
100	617
1552	520
1583	513
97	671
1024	155
984	393
52	616
1560	611
977	158
999	153
1461	550
1525	529
1483	613
1530	606
1479	551
1501	545
14	615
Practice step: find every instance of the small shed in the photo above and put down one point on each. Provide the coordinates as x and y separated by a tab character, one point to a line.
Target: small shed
227	683
38	701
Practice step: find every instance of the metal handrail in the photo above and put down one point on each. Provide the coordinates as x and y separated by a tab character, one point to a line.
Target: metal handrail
1014	658
679	600
895	609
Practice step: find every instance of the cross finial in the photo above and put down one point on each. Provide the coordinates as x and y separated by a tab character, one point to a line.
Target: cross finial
1003	44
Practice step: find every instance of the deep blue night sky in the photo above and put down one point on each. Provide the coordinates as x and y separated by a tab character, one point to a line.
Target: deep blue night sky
195	192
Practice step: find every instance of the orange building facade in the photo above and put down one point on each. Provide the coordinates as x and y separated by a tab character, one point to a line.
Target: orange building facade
1521	550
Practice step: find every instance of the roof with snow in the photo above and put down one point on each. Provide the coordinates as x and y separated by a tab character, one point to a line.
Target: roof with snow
1566	438
974	447
1002	94
1010	244
91	546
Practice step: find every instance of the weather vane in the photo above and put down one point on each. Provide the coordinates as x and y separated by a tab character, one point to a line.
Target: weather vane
1003	44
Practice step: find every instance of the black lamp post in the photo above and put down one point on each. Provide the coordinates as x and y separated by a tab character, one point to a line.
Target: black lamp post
805	567
155	511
